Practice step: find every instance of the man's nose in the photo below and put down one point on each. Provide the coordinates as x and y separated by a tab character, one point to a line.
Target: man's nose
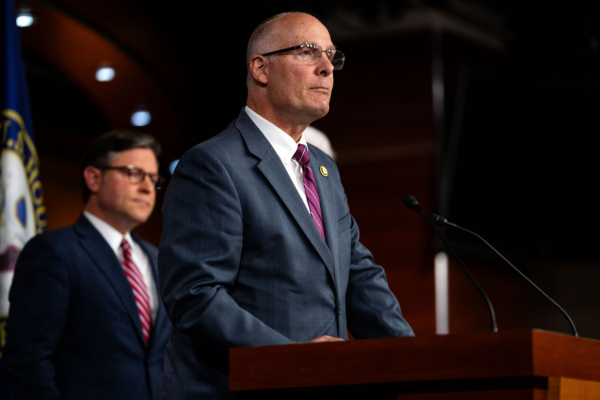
325	66
147	185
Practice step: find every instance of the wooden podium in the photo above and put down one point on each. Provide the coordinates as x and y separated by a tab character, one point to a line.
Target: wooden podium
505	365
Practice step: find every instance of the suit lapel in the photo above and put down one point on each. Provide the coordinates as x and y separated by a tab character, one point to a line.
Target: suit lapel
272	168
104	258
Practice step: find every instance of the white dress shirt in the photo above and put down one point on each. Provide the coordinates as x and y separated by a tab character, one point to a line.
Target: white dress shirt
114	238
285	147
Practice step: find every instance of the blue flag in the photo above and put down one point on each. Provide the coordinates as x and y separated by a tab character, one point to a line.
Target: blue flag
22	212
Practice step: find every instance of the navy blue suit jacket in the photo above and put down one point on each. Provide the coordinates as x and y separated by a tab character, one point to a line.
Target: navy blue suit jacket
73	330
241	262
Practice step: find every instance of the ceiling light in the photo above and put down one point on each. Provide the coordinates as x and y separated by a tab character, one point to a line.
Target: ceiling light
140	118
105	74
24	19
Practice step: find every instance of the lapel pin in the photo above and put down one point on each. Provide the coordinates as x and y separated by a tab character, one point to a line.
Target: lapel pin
323	171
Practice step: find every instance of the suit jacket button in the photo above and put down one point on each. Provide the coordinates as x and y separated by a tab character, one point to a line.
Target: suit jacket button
340	313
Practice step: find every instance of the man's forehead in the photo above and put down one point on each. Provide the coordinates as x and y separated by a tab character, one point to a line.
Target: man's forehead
302	28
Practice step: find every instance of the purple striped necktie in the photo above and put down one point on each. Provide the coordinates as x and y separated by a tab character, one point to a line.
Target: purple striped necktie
310	187
140	291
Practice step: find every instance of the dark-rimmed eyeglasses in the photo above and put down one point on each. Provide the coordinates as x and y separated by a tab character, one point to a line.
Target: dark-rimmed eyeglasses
311	53
137	175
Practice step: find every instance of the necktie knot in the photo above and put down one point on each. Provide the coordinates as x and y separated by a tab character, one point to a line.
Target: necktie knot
302	155
125	245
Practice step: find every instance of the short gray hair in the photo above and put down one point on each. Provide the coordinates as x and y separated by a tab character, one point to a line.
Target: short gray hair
260	42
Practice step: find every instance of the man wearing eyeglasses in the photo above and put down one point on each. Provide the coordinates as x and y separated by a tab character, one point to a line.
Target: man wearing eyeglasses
258	245
86	320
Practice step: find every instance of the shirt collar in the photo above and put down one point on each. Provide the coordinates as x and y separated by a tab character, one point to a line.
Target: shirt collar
112	236
284	145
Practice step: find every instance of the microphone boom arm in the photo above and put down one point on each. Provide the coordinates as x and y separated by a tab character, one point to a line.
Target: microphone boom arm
555	304
412	203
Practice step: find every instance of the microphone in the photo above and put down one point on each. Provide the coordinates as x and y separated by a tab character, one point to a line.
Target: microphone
441	221
413	204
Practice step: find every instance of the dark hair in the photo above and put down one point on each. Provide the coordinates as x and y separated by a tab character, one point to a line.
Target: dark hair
105	147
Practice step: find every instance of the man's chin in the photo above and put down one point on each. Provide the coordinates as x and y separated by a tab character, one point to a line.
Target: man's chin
140	217
319	112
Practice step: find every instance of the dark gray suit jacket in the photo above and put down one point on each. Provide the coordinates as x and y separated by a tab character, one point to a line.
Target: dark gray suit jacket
241	263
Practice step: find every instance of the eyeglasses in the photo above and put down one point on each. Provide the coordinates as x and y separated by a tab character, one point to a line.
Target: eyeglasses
311	53
137	175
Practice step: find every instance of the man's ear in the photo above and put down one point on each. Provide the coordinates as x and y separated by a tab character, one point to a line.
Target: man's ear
259	68
93	178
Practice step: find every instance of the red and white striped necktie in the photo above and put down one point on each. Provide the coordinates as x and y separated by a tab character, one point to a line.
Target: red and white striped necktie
140	291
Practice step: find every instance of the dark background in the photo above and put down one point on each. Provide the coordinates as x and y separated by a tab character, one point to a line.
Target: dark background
524	170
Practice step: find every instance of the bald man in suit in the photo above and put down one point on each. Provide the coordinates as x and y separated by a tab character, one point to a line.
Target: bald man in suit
258	246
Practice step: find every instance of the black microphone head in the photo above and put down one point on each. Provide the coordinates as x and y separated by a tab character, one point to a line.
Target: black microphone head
411	202
438	220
